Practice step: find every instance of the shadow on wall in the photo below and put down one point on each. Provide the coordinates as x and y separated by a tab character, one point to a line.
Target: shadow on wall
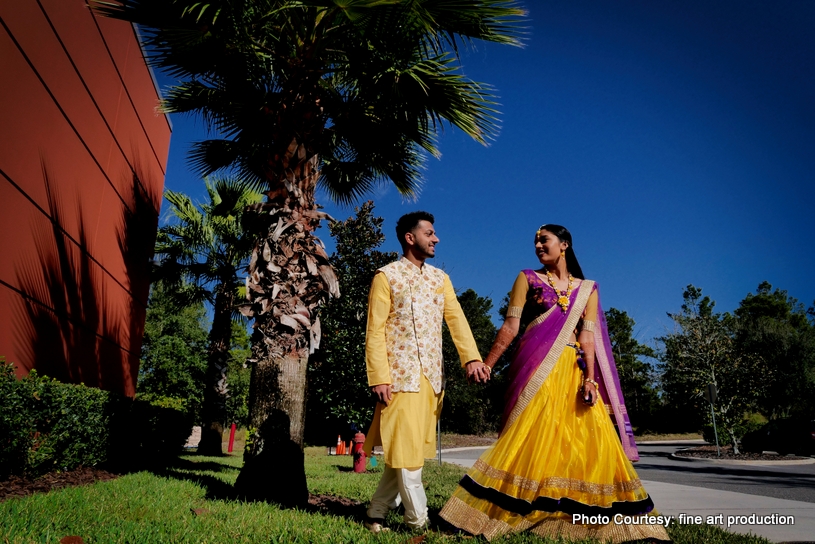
136	236
74	322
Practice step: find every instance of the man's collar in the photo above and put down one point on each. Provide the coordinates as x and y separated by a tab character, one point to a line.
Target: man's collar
411	265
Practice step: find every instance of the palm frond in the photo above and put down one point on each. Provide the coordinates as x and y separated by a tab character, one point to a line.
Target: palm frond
210	156
447	21
447	95
230	196
367	84
349	171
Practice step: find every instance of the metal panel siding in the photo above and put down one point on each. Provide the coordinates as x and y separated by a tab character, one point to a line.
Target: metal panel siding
81	176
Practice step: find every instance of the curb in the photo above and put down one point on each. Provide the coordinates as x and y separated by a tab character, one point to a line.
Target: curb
798	461
467	448
693	441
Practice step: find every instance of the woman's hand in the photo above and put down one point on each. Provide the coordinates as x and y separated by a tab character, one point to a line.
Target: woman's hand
589	392
478	372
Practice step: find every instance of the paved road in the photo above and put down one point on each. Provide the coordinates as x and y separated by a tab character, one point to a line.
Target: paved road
795	482
700	488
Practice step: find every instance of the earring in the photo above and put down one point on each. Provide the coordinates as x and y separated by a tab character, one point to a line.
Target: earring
563	254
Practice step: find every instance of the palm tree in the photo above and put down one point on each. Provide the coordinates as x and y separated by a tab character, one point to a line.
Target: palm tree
349	93
202	257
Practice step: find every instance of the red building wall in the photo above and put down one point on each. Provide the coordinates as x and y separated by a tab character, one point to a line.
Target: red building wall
83	153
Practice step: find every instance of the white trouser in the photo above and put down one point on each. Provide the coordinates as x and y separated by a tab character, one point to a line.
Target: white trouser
400	485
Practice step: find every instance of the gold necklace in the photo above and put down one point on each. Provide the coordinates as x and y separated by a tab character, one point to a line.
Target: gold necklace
563	296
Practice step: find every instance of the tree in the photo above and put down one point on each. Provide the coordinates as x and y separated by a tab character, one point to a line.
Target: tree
173	353
703	350
468	408
636	375
237	402
338	390
350	93
778	328
201	256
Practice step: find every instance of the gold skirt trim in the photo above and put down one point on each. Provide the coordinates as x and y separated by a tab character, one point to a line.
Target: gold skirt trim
553	525
571	484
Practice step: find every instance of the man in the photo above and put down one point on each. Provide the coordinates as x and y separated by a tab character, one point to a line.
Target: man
403	352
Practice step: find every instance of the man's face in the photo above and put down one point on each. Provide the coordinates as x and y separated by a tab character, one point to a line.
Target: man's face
424	239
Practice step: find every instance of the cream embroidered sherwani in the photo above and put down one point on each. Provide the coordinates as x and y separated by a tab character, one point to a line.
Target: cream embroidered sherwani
406	306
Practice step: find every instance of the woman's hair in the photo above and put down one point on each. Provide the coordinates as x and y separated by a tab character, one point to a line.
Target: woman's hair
564	235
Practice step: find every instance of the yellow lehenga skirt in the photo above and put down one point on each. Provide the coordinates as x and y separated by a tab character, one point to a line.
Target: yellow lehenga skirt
558	458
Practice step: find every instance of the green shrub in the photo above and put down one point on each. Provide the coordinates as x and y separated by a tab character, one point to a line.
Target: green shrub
46	425
749	423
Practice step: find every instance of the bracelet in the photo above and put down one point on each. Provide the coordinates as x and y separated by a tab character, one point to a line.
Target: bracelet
594	383
588	325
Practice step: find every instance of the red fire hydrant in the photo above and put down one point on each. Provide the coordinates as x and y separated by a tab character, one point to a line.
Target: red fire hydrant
359	455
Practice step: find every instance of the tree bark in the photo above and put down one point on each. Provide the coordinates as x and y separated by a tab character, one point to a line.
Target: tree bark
273	463
289	279
213	411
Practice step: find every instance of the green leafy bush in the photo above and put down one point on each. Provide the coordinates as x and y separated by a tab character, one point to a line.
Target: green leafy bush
749	423
46	425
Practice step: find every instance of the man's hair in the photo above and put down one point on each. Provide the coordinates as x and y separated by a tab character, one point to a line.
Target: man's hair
410	221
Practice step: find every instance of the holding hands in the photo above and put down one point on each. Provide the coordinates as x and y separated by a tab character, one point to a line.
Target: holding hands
478	372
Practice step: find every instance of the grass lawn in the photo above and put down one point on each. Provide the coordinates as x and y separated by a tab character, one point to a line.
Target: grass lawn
190	502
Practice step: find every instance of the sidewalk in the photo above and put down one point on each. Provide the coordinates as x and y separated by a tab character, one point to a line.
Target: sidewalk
675	499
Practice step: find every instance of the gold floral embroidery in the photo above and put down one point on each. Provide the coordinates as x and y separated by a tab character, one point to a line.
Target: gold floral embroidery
413	328
553	525
560	483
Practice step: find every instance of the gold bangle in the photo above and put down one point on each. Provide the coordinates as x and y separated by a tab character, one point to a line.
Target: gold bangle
515	311
588	325
594	383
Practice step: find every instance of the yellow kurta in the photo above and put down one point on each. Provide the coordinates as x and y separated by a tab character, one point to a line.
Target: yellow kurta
406	428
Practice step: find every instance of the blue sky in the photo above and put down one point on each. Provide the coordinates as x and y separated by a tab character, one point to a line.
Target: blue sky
675	139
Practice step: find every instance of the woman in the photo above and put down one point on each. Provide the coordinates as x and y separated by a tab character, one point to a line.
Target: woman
558	463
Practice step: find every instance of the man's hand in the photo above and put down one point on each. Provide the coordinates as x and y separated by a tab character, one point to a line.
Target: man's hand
383	393
478	372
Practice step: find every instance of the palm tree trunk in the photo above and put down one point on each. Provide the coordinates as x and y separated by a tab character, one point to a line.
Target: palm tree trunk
213	412
289	279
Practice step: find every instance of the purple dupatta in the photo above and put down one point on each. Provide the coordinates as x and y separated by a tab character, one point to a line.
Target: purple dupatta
541	346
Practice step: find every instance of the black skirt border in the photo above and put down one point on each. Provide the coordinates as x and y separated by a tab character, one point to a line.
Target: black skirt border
548	504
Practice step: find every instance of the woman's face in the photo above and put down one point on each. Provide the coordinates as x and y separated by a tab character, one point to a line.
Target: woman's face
548	247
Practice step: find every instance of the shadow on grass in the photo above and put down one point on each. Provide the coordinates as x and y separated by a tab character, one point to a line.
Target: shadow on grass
219	490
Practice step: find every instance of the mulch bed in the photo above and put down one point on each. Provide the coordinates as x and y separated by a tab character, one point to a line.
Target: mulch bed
709	452
338	506
21	486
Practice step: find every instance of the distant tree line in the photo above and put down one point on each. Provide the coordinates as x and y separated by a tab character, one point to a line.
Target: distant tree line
761	358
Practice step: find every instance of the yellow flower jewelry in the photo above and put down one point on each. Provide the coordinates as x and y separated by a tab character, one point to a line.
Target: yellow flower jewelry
563	296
